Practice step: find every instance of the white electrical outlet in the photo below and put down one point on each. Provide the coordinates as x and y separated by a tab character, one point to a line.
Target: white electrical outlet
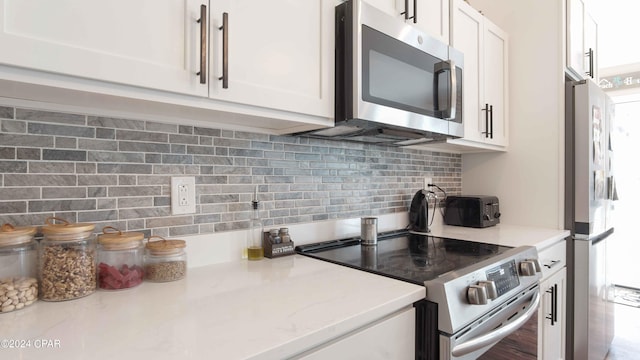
183	195
427	181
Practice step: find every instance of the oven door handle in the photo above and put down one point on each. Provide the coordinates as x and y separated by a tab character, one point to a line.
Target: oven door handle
498	334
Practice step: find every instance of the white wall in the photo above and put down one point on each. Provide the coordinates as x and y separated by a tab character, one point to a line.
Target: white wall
529	178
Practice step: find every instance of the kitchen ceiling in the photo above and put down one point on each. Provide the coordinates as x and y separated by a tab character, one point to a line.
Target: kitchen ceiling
618	24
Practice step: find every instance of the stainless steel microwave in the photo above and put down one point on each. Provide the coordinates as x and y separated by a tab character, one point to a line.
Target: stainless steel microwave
394	83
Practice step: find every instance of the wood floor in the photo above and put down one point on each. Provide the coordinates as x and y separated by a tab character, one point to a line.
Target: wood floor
626	343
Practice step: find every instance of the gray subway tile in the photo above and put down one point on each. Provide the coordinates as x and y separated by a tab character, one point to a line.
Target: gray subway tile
98	216
124	168
25	193
169	221
89	180
206	131
50	116
183	139
119	191
22	140
64	192
107	122
141	136
61	205
62	142
41	167
245	152
177	159
144	212
13	166
65	130
183	230
134	202
178	149
143	147
168	169
185	129
115	157
97	144
13	207
161	127
11	126
6	112
214	199
68	155
106	203
153	158
24	219
39	180
96	191
102	133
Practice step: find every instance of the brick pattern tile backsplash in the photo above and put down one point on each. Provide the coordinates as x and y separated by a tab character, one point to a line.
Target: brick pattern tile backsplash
117	172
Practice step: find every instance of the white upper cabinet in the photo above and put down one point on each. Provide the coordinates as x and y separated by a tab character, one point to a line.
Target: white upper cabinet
279	54
582	41
163	59
431	16
591	47
145	43
485	48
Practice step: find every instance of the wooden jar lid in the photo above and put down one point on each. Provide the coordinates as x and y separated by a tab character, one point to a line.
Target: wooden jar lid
11	235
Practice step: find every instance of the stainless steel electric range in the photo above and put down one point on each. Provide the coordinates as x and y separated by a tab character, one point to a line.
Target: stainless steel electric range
477	293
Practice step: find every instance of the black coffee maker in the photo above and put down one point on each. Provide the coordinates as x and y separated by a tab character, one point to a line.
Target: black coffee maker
419	212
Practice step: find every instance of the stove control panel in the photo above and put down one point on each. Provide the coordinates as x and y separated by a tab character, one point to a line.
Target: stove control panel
475	291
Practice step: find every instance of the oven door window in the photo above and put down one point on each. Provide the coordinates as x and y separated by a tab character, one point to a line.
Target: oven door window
400	76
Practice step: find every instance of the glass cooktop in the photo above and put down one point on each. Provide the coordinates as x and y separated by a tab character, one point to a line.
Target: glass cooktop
404	256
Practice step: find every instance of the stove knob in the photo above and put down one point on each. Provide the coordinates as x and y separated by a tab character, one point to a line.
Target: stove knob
536	263
490	288
528	268
476	295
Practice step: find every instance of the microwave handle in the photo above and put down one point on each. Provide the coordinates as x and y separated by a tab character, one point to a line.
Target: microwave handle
450	66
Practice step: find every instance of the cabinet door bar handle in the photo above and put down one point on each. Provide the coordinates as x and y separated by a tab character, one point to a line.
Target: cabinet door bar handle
203	44
553	263
225	50
486	120
590	55
491	121
406	11
555	306
415	11
553	316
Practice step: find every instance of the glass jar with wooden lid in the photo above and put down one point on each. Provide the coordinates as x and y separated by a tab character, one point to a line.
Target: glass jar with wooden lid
66	260
165	260
120	256
18	267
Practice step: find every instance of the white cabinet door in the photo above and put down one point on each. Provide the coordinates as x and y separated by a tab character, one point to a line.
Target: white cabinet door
280	54
485	48
393	338
551	342
391	7
467	36
575	37
144	43
495	84
430	16
591	47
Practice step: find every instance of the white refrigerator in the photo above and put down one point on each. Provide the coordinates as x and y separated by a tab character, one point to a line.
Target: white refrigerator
589	194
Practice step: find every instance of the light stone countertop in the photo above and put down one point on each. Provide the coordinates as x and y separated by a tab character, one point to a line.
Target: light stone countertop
268	309
504	234
232	309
